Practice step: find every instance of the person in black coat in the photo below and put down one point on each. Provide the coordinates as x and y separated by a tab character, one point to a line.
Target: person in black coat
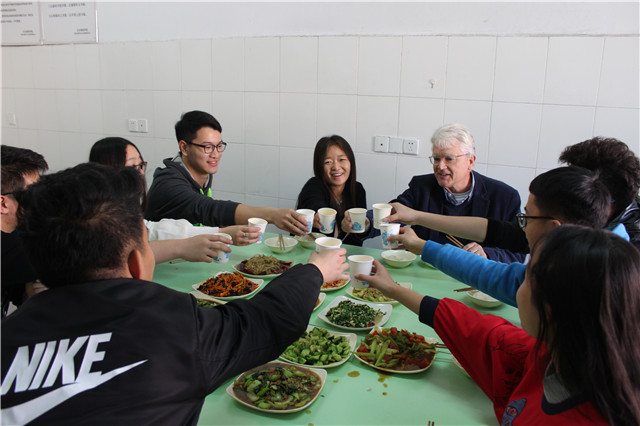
334	185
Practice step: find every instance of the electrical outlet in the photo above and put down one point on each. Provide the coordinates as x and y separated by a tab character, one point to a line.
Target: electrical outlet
143	126
381	143
411	146
395	145
11	118
132	125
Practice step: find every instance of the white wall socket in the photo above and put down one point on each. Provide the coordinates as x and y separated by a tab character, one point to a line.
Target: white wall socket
411	146
395	145
138	125
381	143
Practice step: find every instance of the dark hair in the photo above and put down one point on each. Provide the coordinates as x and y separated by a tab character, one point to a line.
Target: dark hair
349	192
572	195
192	121
588	281
111	151
617	165
17	163
78	223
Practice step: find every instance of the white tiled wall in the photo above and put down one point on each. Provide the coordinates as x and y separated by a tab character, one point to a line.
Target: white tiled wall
524	98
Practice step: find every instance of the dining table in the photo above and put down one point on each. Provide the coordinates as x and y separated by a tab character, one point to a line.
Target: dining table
355	393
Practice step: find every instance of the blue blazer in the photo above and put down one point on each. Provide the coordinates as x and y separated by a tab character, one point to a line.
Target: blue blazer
491	198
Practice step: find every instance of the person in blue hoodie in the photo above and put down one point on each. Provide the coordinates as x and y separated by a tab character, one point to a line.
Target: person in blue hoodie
564	195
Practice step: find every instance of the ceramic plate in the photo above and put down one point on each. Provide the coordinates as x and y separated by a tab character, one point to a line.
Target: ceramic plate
246	274
256	281
385	308
321	373
321	298
390	370
393	302
342	284
353	341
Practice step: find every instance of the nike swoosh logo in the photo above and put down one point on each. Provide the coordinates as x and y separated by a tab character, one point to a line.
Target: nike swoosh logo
27	411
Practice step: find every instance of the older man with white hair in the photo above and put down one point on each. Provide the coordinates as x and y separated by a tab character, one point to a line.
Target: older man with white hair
455	189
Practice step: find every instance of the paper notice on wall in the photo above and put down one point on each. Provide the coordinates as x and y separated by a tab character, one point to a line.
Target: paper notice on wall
20	23
68	22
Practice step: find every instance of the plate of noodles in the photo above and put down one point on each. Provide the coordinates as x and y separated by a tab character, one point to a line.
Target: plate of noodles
261	266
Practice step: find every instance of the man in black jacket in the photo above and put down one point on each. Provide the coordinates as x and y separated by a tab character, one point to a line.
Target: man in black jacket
104	345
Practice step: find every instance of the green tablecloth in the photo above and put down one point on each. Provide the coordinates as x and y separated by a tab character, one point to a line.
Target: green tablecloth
355	393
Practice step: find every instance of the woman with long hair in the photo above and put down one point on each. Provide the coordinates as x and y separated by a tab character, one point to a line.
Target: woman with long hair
576	359
334	184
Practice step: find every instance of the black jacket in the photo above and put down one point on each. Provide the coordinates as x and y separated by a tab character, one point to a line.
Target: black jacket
134	352
175	195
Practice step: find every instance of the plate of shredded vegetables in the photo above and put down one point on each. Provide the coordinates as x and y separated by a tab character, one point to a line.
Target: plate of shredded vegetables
321	348
351	314
228	286
397	351
278	387
334	285
261	266
370	294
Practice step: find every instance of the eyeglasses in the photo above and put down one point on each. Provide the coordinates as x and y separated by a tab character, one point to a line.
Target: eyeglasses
448	159
208	149
141	167
522	219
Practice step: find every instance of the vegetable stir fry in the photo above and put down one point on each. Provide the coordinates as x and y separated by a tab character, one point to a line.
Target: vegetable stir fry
278	386
227	284
317	347
396	350
371	294
333	284
349	314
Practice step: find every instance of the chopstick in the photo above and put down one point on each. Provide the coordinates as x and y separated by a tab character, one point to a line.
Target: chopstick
177	261
454	240
464	289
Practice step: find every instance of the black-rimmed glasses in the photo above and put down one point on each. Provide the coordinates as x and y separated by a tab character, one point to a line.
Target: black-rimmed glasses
448	159
522	219
208	149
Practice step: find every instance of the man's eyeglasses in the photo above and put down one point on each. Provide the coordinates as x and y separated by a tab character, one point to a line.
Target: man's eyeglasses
522	219
141	167
448	159
208	149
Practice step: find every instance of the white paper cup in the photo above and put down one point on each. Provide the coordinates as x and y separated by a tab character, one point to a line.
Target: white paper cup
358	220
359	264
256	221
327	243
222	256
380	211
327	219
387	230
308	216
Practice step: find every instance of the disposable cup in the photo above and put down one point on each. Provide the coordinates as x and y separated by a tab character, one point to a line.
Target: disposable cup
380	211
327	219
327	243
358	220
308	216
256	221
359	264
222	256
387	230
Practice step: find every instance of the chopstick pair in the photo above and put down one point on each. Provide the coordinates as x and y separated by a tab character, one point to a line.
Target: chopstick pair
464	289
454	240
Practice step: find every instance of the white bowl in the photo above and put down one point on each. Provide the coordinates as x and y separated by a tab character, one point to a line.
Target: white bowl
481	299
309	240
398	258
289	244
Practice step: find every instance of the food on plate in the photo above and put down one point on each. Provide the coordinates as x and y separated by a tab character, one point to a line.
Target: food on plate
206	303
278	386
317	347
318	302
227	284
333	284
396	350
349	314
371	294
264	265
